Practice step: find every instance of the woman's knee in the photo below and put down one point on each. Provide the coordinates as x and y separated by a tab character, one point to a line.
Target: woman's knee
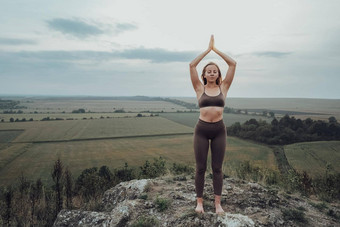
217	170
201	169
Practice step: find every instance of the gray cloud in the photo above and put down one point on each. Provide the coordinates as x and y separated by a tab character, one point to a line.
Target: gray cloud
81	29
120	27
153	55
11	41
157	55
74	27
273	54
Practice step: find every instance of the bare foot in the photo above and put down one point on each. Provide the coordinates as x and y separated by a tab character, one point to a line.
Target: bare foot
219	209
218	206
199	207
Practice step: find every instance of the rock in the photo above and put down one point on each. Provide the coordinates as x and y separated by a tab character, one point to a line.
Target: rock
235	220
124	190
170	203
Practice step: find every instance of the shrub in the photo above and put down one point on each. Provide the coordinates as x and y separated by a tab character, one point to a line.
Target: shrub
143	196
319	206
156	169
294	215
178	168
162	204
145	221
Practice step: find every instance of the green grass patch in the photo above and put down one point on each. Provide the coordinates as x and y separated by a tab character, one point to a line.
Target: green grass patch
313	157
294	215
190	119
36	160
162	204
95	128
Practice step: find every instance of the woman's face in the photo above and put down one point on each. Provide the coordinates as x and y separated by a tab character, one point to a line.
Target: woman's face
211	73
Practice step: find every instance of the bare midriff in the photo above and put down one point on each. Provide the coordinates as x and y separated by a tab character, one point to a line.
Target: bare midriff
211	113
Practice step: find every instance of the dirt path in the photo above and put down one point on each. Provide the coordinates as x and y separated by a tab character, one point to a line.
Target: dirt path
281	159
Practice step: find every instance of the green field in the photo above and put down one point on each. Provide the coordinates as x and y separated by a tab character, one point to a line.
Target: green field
33	146
94	128
60	104
313	157
319	109
65	116
36	159
190	119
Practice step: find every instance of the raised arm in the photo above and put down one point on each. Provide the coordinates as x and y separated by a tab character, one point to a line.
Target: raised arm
196	83
231	70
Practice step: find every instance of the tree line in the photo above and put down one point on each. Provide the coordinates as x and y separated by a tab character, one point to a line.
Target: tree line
287	130
31	203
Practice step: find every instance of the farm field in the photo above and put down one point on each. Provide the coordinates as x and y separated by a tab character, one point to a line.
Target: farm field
116	138
313	157
65	116
109	104
190	119
319	109
37	159
94	128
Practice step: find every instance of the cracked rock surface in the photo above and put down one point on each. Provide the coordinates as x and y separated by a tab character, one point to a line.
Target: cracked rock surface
170	201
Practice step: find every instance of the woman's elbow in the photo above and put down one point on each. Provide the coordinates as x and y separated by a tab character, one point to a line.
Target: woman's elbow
233	64
192	65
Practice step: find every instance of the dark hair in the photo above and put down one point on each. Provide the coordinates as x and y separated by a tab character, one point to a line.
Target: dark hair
218	80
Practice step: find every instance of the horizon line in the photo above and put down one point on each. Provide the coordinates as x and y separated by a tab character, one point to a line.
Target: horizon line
125	96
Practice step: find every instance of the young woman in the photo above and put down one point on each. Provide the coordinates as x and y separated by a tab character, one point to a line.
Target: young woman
210	126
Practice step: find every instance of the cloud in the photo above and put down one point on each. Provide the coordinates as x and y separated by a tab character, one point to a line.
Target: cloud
11	41
81	29
74	27
273	54
153	55
120	27
157	55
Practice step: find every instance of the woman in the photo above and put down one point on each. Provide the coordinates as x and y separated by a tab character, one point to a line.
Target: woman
210	126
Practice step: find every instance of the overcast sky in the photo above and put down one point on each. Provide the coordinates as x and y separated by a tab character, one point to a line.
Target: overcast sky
144	47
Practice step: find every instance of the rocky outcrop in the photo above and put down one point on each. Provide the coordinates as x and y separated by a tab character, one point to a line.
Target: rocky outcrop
170	201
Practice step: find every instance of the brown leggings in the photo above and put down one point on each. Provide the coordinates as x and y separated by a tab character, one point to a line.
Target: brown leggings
217	133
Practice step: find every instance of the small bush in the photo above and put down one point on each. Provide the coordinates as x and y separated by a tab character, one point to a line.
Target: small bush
319	206
162	204
156	169
148	187
143	196
180	178
178	168
333	214
301	208
294	215
144	221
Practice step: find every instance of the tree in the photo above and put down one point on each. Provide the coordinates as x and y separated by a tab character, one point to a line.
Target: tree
24	186
57	176
88	184
332	119
35	195
275	122
9	201
264	113
68	188
124	174
108	178
252	121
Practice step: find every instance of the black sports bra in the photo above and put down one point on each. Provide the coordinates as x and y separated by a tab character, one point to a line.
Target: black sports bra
206	100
